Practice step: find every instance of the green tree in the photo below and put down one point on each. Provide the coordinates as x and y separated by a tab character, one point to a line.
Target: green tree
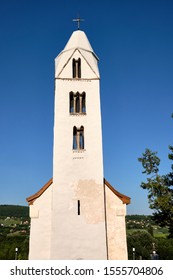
160	192
8	245
150	230
165	248
142	242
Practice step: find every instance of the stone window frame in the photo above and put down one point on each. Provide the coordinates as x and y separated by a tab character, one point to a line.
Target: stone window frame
77	103
76	68
78	138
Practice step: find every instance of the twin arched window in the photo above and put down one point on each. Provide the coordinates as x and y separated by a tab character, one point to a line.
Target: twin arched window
76	68
77	102
78	138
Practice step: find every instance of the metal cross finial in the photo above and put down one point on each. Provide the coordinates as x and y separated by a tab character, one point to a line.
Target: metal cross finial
78	20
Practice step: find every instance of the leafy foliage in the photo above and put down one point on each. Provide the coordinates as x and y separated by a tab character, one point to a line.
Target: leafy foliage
160	192
142	242
165	248
8	245
150	162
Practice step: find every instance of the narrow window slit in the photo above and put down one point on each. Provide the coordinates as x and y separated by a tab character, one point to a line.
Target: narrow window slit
78	207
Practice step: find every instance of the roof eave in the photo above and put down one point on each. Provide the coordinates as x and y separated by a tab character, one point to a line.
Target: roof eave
125	199
33	197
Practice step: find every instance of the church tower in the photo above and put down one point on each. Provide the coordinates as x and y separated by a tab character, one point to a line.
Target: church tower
77	209
77	165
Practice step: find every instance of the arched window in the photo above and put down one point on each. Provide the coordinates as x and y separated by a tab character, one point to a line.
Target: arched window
76	68
83	103
77	103
71	102
78	138
75	138
81	138
79	68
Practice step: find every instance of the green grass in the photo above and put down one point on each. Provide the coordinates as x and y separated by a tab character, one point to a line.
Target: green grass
157	231
10	222
131	231
16	233
163	235
160	232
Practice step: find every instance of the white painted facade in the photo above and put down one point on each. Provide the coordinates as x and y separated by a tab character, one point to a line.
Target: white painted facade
77	215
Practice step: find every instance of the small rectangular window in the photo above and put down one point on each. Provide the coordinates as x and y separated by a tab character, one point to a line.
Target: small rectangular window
78	207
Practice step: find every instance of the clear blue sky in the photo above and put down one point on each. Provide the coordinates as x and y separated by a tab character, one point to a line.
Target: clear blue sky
134	41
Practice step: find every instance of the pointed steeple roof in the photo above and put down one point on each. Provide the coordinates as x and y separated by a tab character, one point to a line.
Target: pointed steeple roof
78	41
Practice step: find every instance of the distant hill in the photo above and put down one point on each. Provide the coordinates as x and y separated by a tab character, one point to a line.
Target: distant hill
23	211
14	211
139	217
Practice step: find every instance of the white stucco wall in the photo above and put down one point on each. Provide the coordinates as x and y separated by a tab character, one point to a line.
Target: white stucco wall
40	232
116	227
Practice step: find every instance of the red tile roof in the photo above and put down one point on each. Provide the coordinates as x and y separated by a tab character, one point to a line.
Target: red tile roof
33	197
125	199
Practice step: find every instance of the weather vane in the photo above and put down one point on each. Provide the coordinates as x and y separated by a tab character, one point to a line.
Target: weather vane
78	20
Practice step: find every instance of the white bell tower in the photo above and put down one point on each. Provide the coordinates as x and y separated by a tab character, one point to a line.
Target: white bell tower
78	206
77	214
